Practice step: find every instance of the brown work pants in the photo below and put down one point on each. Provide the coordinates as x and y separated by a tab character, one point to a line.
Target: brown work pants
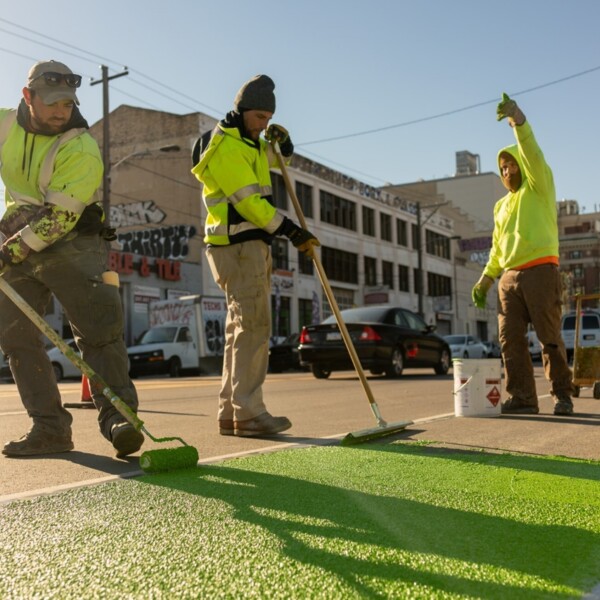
532	296
243	272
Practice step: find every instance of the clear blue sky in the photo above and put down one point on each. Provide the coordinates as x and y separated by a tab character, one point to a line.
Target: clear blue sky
343	67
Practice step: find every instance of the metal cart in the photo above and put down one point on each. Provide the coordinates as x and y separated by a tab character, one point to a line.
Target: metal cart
586	359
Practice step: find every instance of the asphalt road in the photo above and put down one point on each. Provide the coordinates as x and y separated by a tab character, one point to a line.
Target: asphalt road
322	411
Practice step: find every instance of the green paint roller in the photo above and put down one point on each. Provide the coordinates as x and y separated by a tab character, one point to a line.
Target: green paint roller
151	461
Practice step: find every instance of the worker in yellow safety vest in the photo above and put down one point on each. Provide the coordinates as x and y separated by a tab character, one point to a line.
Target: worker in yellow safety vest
54	241
232	162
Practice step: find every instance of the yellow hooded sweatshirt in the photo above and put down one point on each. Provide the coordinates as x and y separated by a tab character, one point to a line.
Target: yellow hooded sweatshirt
525	221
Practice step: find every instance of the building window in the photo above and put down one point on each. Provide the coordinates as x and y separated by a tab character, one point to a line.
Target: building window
368	219
387	273
414	231
305	264
279	192
280	316
401	233
417	281
437	245
340	265
338	211
304	192
344	299
305	316
438	285
403	278
385	223
279	251
370	271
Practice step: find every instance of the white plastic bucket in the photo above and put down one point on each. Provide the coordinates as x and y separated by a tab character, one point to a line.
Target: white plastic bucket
477	387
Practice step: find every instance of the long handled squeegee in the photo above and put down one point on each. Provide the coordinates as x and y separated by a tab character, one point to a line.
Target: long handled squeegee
151	461
383	428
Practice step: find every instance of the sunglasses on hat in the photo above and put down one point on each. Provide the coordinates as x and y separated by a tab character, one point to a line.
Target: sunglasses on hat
53	79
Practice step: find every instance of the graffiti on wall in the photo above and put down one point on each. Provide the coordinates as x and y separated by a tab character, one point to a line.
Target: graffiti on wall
136	213
170	242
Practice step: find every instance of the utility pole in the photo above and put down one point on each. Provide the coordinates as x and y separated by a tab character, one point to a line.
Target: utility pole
106	137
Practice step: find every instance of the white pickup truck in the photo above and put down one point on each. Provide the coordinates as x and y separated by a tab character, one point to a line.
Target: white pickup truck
183	335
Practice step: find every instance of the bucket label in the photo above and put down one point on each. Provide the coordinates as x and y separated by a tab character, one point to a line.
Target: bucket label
492	382
494	396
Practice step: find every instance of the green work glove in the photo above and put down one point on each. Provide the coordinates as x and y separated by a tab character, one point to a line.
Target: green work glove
276	133
509	108
480	290
279	134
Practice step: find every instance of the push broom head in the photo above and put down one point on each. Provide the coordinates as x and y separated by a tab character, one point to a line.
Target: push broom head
358	437
155	461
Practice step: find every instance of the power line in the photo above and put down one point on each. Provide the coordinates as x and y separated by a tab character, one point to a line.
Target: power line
58	41
449	112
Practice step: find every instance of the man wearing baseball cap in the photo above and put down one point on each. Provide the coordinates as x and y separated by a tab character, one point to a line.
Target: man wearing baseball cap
233	162
53	242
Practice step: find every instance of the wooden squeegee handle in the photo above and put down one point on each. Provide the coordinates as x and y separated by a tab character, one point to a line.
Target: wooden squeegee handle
325	283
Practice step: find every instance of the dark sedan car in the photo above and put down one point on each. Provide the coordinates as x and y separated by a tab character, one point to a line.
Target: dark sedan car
285	356
387	340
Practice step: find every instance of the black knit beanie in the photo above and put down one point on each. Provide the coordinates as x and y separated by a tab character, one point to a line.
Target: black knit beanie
256	94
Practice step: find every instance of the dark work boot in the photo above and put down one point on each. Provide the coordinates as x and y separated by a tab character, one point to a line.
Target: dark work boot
37	442
515	406
125	438
563	405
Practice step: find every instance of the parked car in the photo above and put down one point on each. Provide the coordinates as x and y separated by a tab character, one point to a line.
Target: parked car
589	330
466	346
63	368
387	339
492	349
285	355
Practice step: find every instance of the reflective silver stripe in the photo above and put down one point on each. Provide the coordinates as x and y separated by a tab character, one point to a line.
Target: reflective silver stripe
276	221
214	201
65	201
216	230
241	227
25	199
8	121
266	190
244	192
32	240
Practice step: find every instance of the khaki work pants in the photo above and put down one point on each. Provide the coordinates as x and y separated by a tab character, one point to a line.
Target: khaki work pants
243	272
532	296
72	270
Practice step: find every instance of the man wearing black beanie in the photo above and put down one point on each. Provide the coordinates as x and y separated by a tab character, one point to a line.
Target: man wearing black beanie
232	162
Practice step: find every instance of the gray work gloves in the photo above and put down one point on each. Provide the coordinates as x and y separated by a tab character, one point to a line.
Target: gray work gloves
302	239
509	108
480	290
278	133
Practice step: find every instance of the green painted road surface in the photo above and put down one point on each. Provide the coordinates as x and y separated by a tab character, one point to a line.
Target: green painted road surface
371	521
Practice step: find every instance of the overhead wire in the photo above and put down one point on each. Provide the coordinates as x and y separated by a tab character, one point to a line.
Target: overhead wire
448	112
298	144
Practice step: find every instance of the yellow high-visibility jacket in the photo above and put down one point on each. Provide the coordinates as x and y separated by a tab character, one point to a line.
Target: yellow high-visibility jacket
49	180
525	221
237	190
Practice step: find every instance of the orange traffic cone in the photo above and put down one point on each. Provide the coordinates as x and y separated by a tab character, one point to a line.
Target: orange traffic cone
86	396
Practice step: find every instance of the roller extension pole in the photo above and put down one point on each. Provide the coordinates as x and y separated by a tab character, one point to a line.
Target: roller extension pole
381	423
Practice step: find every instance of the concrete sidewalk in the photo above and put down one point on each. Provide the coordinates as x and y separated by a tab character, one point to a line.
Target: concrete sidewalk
577	436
